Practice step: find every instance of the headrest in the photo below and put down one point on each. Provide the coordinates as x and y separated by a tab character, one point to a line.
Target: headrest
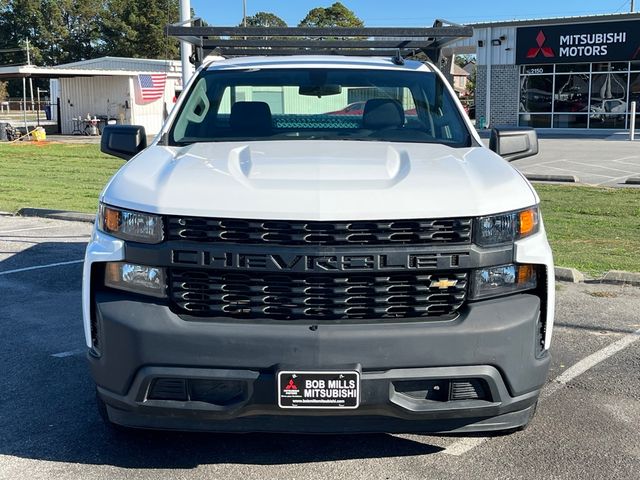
382	113
251	118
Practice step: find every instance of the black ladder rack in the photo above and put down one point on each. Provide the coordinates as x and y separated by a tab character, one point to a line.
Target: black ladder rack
396	42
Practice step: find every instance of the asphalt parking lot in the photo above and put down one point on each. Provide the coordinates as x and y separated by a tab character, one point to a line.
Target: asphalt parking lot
593	161
587	423
604	161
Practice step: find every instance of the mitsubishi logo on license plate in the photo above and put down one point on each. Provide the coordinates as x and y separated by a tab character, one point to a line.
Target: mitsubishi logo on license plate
324	390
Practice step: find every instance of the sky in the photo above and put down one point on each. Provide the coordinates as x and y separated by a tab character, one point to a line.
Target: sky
413	13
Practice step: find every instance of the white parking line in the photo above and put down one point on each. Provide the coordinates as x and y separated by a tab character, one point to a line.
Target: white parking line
627	163
38	267
590	362
29	229
567	170
598	166
546	163
613	180
466	444
70	353
625	158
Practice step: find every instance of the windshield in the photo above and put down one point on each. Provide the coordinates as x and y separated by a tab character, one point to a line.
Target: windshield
319	104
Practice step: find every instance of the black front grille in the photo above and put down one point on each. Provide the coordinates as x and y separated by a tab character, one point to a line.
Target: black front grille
285	232
297	296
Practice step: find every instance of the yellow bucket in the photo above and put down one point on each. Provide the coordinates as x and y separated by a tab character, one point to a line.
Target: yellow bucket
39	135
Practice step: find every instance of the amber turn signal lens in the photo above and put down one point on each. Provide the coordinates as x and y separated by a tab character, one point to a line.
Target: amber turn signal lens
527	222
111	219
525	274
112	272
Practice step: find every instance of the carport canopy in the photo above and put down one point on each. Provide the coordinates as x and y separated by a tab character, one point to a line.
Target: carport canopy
30	71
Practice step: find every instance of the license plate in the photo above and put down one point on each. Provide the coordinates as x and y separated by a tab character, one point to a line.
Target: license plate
318	389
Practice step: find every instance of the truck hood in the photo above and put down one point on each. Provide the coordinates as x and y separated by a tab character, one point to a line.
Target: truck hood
319	180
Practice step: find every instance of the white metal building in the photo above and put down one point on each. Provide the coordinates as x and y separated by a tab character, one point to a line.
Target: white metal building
116	94
107	88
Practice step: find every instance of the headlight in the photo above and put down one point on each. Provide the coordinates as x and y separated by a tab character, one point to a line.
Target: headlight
136	278
496	281
130	225
506	227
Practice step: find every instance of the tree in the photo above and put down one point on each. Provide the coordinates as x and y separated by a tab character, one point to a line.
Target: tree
58	31
62	31
136	28
471	83
264	19
337	15
463	60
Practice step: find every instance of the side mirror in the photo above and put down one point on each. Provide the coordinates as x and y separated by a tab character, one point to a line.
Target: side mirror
123	141
513	143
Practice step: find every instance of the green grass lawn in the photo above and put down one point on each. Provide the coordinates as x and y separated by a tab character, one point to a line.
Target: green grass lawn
55	175
591	229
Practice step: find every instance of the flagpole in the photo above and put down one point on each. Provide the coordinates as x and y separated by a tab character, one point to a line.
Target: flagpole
244	13
185	15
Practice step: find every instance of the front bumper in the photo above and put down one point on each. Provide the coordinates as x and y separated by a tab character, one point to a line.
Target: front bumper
494	341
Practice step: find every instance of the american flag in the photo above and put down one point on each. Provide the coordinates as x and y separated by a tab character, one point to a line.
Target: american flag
151	86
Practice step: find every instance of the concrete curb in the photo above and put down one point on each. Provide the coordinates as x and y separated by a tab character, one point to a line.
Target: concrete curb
57	214
569	275
633	181
618	277
612	277
533	177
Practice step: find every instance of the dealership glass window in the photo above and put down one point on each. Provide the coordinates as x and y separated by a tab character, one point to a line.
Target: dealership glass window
634	87
536	121
597	96
634	95
573	67
608	94
536	92
571	93
610	67
570	120
607	121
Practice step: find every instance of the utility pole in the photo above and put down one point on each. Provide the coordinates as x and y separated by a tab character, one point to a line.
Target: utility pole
633	8
185	48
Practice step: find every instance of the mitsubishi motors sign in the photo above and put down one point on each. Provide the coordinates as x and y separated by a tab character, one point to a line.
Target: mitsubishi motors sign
583	42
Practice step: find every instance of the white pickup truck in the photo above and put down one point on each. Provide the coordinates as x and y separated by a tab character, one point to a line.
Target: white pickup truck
274	262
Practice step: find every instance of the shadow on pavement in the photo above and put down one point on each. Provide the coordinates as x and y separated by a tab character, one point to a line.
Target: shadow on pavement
47	406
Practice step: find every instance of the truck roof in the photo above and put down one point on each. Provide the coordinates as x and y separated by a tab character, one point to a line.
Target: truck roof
314	61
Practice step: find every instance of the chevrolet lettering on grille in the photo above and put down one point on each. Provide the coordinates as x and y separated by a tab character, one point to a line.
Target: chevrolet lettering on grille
298	262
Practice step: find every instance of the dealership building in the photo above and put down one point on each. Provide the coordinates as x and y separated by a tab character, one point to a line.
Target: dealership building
573	72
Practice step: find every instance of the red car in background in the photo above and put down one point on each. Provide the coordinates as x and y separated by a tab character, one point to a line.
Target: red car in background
355	108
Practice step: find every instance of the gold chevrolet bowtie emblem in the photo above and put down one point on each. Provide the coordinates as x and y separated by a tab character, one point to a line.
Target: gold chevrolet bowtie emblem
443	283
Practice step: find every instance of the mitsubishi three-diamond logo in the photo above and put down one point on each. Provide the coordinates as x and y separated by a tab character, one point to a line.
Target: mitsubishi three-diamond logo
546	51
